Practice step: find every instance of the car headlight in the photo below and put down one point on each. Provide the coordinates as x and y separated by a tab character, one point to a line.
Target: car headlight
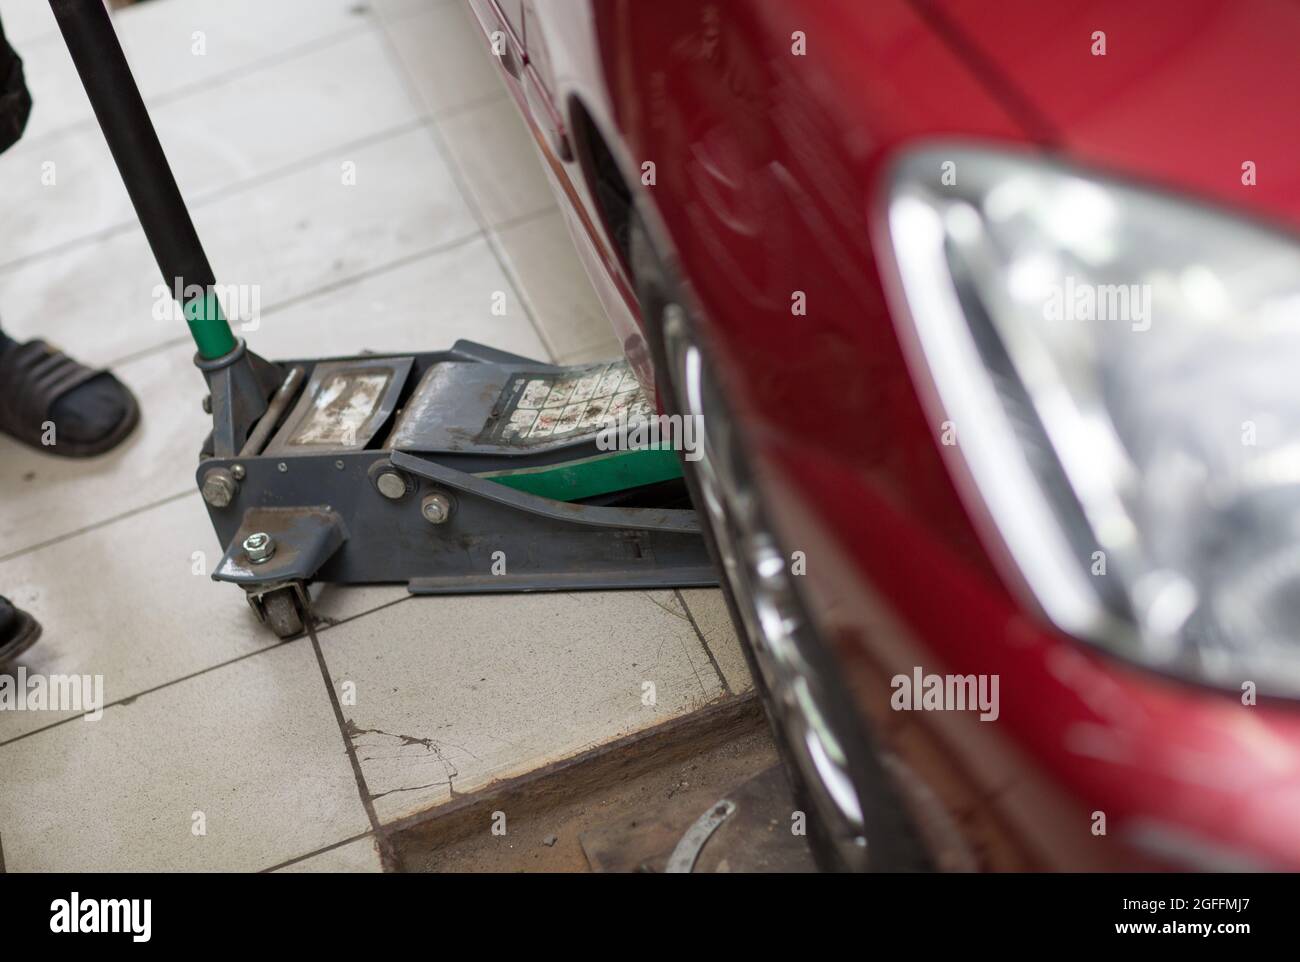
1121	370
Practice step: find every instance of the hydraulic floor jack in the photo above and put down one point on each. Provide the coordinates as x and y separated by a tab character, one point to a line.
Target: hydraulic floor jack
456	471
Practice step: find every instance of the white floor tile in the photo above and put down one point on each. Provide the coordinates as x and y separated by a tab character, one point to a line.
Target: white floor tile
163	43
289	236
308	229
47	497
160	41
132	601
541	256
454	693
446	56
498	161
215	137
425	305
25	20
253	746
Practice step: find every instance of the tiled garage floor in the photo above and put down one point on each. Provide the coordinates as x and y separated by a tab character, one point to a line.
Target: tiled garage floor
211	724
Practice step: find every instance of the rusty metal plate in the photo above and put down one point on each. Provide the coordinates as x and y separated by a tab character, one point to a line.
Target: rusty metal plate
343	406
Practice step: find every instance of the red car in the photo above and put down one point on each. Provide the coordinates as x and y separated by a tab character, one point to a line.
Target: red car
991	312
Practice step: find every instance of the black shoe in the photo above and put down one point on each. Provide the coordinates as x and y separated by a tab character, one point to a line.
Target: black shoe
18	631
60	406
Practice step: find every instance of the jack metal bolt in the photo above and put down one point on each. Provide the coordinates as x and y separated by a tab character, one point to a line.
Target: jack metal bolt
391	485
436	508
219	487
259	547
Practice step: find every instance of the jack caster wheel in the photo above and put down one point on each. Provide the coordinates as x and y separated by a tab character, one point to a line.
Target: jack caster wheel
284	612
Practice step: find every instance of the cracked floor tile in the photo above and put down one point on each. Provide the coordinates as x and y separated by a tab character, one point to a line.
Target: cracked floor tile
446	695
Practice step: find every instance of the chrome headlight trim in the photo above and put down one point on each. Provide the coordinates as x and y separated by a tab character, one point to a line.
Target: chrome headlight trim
1061	463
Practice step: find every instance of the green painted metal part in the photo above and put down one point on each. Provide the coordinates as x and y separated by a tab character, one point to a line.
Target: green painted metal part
208	326
588	477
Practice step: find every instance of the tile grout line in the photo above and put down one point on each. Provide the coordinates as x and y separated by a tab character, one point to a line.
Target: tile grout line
469	106
386	855
94	526
203	671
703	641
320	851
510	223
453	168
143	352
127	700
